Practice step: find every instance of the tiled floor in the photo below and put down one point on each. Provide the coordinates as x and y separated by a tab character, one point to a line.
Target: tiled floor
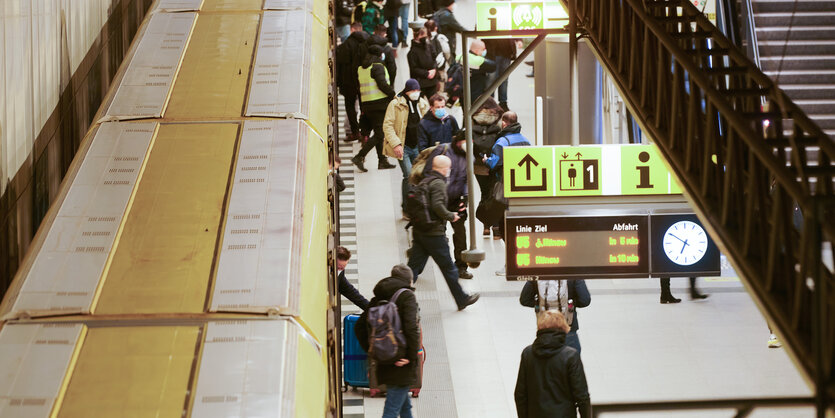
633	347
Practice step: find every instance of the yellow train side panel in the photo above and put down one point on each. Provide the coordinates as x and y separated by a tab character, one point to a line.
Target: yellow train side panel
319	79
213	80
163	260
132	372
311	381
314	285
212	5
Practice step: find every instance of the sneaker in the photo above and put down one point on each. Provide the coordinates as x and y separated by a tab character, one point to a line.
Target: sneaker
464	274
359	163
774	342
502	272
470	300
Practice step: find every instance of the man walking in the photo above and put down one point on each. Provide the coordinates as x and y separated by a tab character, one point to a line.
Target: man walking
432	241
348	58
401	126
375	95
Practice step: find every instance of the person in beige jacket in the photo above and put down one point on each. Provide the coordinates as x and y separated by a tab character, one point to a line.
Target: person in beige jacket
400	127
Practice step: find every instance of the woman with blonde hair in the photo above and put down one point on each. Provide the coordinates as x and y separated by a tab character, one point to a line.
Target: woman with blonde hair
551	381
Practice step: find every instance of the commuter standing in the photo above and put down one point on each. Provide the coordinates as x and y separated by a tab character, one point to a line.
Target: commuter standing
503	52
437	125
349	56
509	136
456	195
422	63
372	16
375	95
441	45
486	127
551	381
344	10
389	54
448	25
667	296
403	33
480	68
345	287
401	375
401	126
391	11
563	296
432	242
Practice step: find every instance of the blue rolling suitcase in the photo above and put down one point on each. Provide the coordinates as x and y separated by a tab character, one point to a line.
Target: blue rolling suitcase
354	359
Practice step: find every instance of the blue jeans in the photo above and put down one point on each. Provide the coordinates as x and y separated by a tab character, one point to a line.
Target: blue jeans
409	155
403	15
502	64
342	32
404	20
437	247
397	402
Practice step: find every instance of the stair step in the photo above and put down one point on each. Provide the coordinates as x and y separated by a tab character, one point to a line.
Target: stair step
809	91
797	62
800	33
791	5
815	107
811	47
802	77
796	19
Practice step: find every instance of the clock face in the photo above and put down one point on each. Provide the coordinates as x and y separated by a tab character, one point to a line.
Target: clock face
685	243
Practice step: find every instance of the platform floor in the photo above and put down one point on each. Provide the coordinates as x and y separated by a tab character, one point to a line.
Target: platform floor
633	347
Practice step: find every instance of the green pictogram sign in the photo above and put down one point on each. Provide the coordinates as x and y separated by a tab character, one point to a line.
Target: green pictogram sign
507	15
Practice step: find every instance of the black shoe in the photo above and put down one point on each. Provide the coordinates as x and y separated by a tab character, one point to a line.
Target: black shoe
529	63
669	299
695	295
359	163
385	165
470	300
464	274
529	75
504	107
403	44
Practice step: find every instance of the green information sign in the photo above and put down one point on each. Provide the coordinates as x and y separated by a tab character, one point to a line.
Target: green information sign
512	15
590	170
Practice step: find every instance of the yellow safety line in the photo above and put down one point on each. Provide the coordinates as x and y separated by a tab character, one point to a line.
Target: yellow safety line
180	63
65	383
122	223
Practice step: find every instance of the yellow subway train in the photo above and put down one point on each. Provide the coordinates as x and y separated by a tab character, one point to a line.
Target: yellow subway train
185	269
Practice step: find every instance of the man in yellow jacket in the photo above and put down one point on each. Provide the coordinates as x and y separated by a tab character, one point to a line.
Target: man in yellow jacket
400	127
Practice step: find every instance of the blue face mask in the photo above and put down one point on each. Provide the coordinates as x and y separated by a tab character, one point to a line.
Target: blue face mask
440	113
484	53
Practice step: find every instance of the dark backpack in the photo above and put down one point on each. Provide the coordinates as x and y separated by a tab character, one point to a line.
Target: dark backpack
387	343
454	86
417	208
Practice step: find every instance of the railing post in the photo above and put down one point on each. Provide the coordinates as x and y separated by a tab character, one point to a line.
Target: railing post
473	256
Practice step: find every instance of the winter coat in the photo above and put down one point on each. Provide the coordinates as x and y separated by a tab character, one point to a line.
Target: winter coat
394	124
510	136
349	56
448	26
344	10
577	290
486	128
478	76
432	130
551	381
438	203
372	17
457	184
407	308
389	59
421	60
391	9
505	47
349	291
378	73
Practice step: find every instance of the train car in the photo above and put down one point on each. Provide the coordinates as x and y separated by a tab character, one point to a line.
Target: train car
186	267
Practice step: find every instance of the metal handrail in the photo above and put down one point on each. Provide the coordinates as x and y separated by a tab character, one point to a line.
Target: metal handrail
700	99
743	406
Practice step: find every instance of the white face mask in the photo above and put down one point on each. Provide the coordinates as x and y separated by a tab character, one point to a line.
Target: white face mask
382	57
452	7
414	95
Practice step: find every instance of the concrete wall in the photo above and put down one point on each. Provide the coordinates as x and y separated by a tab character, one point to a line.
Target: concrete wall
57	59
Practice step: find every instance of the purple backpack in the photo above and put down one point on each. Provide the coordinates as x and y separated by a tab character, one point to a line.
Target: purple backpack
387	343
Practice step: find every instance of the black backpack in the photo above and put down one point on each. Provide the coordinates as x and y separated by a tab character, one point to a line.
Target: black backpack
454	86
417	207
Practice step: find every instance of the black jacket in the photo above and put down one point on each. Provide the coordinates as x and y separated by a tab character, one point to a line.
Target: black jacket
577	290
432	130
344	10
407	307
378	73
421	60
438	204
351	292
457	183
389	60
480	76
349	56
448	26
551	381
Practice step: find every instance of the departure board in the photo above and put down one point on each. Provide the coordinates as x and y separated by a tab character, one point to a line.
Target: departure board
576	247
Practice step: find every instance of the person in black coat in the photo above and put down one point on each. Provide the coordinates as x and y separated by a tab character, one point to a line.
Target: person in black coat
551	381
401	375
389	54
345	287
422	62
348	58
577	291
375	110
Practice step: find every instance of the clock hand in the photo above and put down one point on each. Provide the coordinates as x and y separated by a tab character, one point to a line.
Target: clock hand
677	238
684	246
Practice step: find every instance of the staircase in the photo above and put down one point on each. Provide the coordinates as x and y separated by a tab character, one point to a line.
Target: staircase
796	43
759	177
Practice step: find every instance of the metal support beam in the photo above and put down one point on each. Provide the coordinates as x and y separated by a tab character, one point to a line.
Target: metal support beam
573	69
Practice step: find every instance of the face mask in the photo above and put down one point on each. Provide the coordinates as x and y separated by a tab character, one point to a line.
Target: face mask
440	113
452	7
382	57
414	95
484	53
